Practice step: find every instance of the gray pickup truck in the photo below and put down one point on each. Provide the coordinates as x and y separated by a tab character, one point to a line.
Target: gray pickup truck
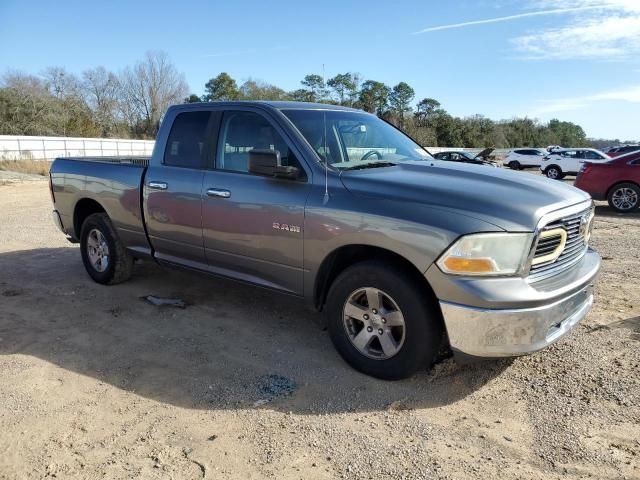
405	254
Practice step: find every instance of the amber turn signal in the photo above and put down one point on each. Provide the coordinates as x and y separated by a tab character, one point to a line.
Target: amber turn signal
469	265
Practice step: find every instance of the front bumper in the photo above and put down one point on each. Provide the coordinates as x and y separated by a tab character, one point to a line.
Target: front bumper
516	328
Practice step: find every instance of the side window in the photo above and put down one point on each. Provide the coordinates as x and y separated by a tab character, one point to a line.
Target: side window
569	154
187	143
588	154
242	132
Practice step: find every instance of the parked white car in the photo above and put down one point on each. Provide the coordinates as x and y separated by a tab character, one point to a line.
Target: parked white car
567	161
524	158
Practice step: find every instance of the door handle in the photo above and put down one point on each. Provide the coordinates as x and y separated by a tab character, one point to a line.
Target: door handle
158	185
215	192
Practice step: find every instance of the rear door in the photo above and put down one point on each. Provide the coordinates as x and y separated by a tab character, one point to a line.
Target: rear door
173	190
534	157
253	225
568	160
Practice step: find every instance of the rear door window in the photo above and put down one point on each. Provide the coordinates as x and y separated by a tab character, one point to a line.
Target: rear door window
188	143
589	155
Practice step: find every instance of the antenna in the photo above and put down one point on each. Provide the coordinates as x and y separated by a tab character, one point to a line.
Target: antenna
326	161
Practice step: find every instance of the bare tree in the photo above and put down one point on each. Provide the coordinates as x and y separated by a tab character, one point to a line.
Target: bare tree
61	84
148	89
101	89
66	88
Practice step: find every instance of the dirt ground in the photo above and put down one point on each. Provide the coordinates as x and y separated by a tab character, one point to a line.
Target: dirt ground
245	384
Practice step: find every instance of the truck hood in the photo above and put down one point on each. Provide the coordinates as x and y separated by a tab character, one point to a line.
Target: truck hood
513	201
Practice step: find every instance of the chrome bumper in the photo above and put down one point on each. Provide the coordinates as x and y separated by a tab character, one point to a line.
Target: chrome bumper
509	332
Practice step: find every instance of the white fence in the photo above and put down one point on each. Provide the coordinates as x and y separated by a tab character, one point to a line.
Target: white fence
47	148
14	147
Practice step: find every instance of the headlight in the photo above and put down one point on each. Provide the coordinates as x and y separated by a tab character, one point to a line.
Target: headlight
487	254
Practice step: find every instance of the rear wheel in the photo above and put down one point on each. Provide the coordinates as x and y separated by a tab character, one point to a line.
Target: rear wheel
554	172
624	197
103	253
515	165
382	322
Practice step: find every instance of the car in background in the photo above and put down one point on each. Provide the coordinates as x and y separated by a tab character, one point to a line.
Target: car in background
616	180
553	148
481	158
621	150
567	161
524	158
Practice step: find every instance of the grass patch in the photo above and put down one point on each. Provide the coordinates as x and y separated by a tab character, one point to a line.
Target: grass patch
34	167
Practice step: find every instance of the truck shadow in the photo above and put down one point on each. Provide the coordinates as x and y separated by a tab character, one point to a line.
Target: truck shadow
606	211
234	346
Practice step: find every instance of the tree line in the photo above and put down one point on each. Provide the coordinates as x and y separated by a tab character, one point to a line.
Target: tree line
130	104
425	120
97	103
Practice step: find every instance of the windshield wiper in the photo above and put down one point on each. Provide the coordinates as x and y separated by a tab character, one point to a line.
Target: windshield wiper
362	166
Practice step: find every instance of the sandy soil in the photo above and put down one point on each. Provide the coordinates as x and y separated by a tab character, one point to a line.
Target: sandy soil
244	383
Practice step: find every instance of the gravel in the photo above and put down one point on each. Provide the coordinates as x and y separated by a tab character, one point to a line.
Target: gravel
245	383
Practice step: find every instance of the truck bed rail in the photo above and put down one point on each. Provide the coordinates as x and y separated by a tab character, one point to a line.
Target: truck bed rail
121	160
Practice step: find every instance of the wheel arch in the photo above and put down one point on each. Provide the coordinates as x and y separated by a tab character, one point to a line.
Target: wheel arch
84	207
620	183
348	255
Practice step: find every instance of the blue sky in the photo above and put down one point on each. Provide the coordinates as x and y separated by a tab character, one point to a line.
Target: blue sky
576	60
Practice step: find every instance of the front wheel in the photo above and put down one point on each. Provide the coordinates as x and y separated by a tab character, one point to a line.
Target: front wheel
103	253
382	322
624	197
553	172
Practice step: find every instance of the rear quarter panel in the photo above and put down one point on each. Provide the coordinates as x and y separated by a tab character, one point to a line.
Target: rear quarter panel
115	187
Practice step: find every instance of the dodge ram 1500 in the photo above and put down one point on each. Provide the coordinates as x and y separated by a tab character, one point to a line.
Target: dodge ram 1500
405	254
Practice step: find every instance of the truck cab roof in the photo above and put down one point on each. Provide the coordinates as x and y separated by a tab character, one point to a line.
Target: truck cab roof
278	105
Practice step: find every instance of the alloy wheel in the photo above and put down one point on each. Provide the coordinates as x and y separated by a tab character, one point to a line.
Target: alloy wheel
624	198
98	250
374	323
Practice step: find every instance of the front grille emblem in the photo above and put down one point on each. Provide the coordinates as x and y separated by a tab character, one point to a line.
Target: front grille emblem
584	224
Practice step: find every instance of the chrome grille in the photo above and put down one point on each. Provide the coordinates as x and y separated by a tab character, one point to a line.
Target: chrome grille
573	251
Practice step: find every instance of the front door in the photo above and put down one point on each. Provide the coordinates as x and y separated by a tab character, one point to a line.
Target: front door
253	226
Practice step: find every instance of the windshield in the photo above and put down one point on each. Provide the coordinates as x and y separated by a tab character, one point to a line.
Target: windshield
354	139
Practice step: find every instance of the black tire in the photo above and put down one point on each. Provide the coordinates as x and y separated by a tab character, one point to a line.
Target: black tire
554	172
423	330
515	165
633	194
120	263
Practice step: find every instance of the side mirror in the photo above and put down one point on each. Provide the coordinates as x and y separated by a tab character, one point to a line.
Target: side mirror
267	163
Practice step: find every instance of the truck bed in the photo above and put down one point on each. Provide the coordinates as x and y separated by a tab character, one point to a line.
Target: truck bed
113	183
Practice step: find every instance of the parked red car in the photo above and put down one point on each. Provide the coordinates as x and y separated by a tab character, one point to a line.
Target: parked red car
621	150
617	181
